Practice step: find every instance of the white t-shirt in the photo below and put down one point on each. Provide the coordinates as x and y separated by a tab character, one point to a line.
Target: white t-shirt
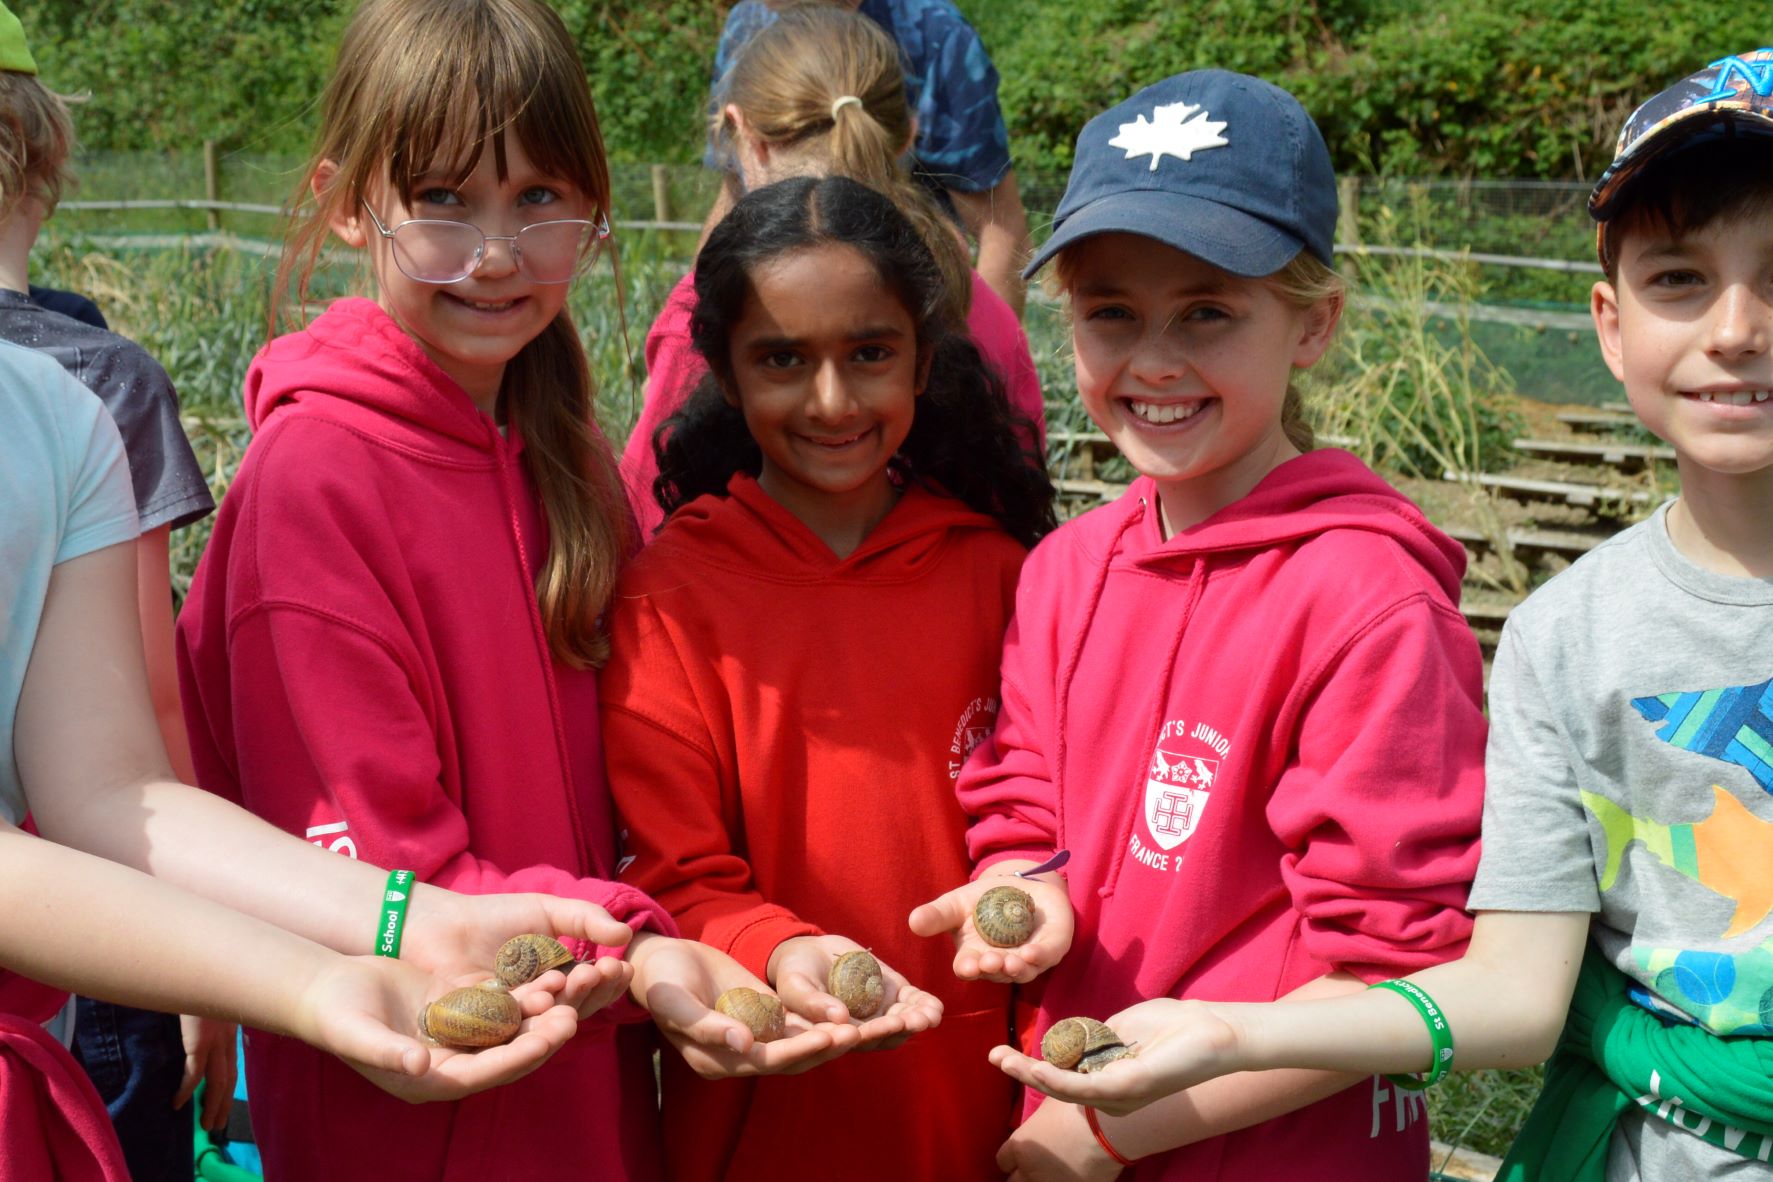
64	492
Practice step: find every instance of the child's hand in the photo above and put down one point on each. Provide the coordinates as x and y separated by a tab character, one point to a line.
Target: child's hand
678	981
800	968
975	957
209	1060
1055	1145
1179	1044
454	934
589	987
365	1010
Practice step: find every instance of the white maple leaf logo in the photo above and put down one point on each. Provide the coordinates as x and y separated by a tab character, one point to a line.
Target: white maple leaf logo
1179	130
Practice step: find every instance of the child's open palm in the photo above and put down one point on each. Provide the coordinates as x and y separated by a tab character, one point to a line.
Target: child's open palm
801	967
974	956
365	1010
1178	1044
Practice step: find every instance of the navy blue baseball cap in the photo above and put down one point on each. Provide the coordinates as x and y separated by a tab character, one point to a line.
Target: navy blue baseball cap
1223	166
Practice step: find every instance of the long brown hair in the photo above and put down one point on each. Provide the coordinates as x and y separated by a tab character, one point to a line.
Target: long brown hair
787	82
427	84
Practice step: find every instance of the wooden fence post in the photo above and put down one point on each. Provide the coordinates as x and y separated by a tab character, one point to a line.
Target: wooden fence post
212	187
1348	223
661	194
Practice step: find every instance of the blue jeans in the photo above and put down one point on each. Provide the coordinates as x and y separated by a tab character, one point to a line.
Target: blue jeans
136	1059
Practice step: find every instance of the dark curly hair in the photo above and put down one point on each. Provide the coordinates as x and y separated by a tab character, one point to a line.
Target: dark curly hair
964	439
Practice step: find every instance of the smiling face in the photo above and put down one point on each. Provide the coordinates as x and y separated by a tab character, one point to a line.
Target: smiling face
825	369
471	328
1185	367
1688	328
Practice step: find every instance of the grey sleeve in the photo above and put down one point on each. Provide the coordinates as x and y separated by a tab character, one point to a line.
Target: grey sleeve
1537	853
169	485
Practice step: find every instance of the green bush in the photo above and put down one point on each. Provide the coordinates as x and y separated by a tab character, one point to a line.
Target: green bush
1518	88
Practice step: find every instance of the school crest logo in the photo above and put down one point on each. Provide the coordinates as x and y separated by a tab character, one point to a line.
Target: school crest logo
1177	790
976	724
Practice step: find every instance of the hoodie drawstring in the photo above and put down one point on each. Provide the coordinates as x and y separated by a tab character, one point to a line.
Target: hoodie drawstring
1068	671
1197	583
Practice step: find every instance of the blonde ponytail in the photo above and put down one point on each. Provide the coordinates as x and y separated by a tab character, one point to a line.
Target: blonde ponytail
827	84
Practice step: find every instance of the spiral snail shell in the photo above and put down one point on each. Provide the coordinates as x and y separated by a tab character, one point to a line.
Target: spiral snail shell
855	981
483	1015
1082	1044
760	1012
1004	915
524	958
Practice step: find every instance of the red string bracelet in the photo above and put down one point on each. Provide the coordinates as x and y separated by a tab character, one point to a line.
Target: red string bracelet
1111	1151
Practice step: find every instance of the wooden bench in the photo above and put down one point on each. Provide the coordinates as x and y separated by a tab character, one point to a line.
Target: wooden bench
1597	497
1598	422
1565	543
1624	456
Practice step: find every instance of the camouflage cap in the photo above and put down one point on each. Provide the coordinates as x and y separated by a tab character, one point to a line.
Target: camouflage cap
1732	95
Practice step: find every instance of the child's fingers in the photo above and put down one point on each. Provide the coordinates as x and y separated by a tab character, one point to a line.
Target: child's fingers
945	913
575	917
804	996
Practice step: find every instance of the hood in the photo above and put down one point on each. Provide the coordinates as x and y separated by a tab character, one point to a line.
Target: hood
355	354
747	531
1324	490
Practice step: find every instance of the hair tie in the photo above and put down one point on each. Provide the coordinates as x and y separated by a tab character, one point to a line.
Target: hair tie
843	102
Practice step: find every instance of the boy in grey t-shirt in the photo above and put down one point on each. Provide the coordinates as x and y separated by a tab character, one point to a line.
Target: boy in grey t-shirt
1627	874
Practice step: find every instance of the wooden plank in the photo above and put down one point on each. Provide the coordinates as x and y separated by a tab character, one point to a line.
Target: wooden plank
1101	489
1568	543
1485	611
1583	496
1598	420
1461	1165
1619	455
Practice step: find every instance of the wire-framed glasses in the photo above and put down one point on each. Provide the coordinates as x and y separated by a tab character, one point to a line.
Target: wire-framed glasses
435	250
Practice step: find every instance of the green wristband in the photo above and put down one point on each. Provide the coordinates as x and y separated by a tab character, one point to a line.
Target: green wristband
393	918
1439	1034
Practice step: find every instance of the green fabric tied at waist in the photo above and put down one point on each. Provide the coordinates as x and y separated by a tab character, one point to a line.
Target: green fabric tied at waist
1614	1054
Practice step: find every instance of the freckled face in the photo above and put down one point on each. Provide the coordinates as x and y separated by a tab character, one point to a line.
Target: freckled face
826	373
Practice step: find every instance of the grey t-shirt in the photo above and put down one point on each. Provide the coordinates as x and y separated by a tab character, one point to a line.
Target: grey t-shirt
169	484
1630	773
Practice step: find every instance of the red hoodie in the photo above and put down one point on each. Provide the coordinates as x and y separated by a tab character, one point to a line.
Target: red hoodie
784	730
362	663
1262	740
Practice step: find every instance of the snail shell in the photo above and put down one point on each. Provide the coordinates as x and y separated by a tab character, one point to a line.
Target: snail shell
855	981
524	958
1004	915
1082	1044
760	1012
475	1016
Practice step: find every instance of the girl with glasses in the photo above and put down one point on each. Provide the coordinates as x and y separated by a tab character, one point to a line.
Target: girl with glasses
391	644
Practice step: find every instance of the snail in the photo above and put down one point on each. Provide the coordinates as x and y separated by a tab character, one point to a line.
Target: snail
1082	1044
760	1012
483	1015
855	981
1004	915
524	958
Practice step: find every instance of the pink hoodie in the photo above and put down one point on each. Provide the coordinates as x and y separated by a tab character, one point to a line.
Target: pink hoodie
1262	740
362	663
673	367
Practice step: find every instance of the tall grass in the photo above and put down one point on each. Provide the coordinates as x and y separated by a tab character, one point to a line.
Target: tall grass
1412	391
